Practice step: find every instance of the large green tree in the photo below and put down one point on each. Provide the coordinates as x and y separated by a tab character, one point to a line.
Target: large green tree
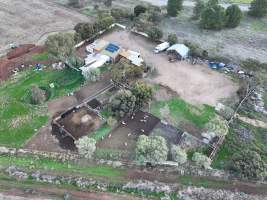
143	93
155	33
248	164
174	6
60	45
258	8
233	16
151	149
122	103
198	8
213	17
139	9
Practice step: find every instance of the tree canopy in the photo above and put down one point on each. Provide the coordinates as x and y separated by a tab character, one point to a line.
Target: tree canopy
233	16
258	8
86	146
178	154
151	149
155	33
143	93
174	6
60	45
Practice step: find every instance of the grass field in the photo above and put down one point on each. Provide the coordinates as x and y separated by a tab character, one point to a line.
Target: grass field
179	110
46	164
40	57
20	119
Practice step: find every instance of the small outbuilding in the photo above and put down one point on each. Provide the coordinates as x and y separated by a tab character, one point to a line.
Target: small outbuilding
180	50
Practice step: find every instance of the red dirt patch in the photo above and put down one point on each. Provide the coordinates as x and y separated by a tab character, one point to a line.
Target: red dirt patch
21	50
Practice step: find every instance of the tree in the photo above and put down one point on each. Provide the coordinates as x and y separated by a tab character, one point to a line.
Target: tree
139	9
60	45
86	146
248	164
218	125
258	8
155	33
108	3
38	96
122	103
174	6
92	75
118	13
233	16
198	8
143	93
178	154
85	30
151	149
172	39
201	160
213	17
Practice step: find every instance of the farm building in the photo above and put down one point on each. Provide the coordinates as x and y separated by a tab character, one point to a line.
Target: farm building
132	56
179	50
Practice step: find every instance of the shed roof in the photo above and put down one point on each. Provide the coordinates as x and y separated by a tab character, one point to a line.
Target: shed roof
180	48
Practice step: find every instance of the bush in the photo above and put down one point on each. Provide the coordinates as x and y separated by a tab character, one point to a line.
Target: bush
104	23
92	75
258	8
218	125
233	16
151	149
252	64
86	146
111	121
172	39
119	14
174	6
201	160
178	154
84	31
139	9
122	103
248	164
155	33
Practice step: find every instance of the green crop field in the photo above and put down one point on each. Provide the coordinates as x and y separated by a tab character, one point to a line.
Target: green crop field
20	119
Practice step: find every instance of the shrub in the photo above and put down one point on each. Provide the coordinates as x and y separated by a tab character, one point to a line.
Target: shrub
201	160
139	9
172	39
218	125
151	149
118	13
111	121
258	8
86	146
84	31
92	75
248	164
233	16
155	33
104	23
252	64
178	154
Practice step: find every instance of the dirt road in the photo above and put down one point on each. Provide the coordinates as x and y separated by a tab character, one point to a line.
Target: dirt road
196	84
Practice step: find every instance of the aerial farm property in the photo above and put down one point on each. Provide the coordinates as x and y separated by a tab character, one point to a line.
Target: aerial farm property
117	104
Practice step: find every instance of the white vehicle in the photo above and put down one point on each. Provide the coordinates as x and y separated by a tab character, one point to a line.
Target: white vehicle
161	47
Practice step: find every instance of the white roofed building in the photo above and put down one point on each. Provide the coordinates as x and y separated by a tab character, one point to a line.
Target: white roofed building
181	50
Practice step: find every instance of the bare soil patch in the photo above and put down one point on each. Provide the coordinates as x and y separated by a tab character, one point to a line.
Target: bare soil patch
26	21
196	84
125	135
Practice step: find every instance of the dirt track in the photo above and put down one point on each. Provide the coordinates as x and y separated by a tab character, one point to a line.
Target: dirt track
196	84
28	20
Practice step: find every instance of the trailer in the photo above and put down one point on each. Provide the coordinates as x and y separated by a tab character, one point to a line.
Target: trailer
161	47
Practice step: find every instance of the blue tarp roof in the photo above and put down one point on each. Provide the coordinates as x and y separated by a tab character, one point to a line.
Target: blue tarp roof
112	48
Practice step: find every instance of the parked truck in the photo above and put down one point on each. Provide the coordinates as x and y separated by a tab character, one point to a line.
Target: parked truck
161	47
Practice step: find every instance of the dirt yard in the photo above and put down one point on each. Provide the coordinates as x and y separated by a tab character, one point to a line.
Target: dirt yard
29	20
196	84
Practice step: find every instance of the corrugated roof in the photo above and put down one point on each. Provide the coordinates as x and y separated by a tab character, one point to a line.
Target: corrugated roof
180	48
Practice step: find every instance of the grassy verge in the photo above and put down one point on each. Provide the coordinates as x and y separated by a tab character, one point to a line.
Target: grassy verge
20	119
179	110
48	164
